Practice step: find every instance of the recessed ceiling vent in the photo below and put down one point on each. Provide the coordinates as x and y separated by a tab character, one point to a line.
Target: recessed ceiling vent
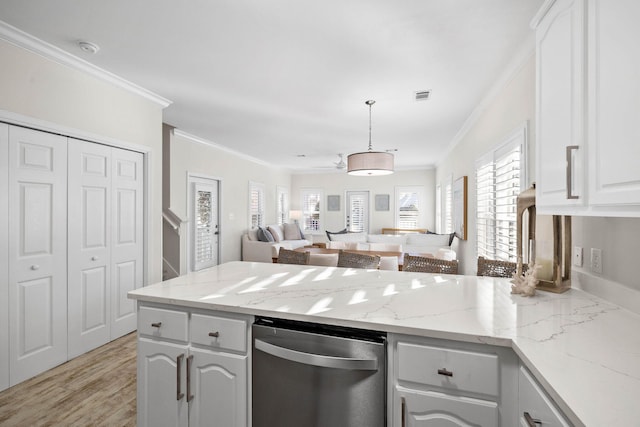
423	95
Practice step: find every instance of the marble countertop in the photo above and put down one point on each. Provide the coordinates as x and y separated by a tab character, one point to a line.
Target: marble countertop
585	351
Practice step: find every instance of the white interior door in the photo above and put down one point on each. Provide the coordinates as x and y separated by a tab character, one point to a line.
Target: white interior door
357	211
4	256
127	247
205	231
37	252
89	214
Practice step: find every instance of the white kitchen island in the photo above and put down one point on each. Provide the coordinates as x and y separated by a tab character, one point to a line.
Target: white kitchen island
583	350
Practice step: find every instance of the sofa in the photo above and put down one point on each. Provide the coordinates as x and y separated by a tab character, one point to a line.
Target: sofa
256	245
438	245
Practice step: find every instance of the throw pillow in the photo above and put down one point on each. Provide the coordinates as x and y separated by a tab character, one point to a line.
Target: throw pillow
291	232
264	235
276	232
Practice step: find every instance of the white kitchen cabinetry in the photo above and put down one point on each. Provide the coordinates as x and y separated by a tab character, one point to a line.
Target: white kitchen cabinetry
535	408
192	367
587	100
560	74
437	382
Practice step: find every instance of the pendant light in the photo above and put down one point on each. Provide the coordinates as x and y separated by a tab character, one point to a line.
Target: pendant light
370	163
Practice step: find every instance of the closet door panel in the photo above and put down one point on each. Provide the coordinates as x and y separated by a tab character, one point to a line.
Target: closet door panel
89	252
37	252
127	233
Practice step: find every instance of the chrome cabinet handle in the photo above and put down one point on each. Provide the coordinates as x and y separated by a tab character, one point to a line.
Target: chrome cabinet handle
570	149
189	364
35	267
444	372
317	359
403	410
179	394
156	324
531	422
94	258
215	334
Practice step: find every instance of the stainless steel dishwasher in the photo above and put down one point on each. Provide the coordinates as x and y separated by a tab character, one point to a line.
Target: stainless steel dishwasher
306	374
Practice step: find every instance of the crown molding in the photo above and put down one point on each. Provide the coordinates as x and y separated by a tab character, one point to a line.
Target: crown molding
177	132
28	42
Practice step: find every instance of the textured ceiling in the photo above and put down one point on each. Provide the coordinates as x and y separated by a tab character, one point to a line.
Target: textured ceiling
281	78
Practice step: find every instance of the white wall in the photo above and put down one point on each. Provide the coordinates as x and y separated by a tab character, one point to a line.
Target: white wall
339	183
509	109
235	172
38	88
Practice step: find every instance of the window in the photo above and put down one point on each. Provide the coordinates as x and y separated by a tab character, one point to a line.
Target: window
448	206
256	205
282	201
438	209
500	177
409	207
311	219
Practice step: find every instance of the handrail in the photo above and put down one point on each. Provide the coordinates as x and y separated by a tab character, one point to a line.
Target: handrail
172	218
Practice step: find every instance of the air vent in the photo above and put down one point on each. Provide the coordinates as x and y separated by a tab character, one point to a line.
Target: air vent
423	95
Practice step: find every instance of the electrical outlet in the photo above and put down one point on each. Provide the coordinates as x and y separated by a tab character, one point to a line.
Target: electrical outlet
596	260
577	256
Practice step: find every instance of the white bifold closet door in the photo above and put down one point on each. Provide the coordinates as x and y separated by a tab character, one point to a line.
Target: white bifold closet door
105	242
37	252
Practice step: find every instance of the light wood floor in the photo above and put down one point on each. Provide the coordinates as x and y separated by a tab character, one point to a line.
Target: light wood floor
95	389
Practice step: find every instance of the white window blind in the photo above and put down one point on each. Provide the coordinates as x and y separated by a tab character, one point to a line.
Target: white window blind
311	220
409	207
438	209
358	212
448	207
256	205
500	177
282	209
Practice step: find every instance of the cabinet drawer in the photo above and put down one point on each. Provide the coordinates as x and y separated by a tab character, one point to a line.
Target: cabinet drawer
219	332
535	402
161	323
450	369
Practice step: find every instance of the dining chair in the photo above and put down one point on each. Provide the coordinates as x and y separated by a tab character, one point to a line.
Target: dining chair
353	260
496	268
414	263
286	256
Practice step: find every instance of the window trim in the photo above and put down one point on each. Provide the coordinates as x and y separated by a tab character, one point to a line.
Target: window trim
260	187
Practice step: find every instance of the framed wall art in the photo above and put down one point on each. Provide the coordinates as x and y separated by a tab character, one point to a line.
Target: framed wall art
333	203
382	202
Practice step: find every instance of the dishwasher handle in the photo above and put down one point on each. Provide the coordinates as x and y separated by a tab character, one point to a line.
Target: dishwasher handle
320	360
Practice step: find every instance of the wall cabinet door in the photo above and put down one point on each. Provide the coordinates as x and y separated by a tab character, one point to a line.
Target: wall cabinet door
534	406
560	72
614	103
162	397
219	389
37	252
426	409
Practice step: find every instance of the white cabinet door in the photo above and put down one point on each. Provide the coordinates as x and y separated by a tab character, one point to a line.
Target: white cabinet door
162	398
560	74
37	252
89	248
614	102
534	405
430	409
218	388
127	247
4	256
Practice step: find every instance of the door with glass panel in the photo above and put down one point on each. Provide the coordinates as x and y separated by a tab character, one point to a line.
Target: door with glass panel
205	231
357	211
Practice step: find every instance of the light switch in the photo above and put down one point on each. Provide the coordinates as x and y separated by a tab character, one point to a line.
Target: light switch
596	260
577	256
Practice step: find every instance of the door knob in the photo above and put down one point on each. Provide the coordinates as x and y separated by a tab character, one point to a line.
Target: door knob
35	267
94	258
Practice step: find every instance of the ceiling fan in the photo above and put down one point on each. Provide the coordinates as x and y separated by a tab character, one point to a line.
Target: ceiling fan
340	164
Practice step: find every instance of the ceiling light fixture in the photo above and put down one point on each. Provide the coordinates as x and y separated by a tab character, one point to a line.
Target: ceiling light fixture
370	163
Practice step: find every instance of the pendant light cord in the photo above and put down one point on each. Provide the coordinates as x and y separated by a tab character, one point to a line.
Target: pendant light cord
370	103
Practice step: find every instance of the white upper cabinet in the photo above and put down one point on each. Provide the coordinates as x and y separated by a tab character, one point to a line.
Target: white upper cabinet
560	70
614	104
587	103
